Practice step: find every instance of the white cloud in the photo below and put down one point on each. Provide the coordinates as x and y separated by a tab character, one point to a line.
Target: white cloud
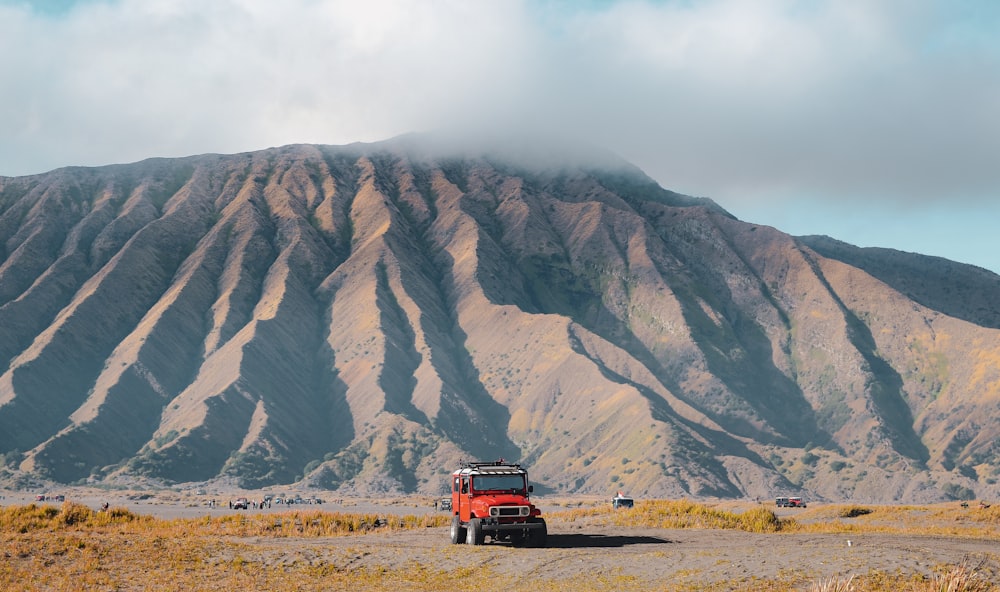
744	101
138	78
761	98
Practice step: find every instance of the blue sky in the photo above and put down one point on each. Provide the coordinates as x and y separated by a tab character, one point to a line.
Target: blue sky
874	122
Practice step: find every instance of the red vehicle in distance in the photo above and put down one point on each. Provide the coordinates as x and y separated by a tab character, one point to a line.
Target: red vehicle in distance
789	502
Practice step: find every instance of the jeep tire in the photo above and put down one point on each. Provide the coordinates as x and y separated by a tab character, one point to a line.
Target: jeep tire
474	532
537	537
457	531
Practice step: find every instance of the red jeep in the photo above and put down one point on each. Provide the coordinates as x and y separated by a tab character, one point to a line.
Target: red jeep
491	498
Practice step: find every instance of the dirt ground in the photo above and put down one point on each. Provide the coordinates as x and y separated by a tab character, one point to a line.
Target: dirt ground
675	556
575	547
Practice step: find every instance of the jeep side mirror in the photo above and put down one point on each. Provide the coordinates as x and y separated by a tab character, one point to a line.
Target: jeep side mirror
531	488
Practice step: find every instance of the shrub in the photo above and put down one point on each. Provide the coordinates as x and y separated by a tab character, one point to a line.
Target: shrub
759	520
687	514
117	515
854	511
834	585
26	518
74	513
961	578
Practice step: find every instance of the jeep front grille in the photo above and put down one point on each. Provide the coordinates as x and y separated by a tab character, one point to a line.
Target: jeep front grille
509	511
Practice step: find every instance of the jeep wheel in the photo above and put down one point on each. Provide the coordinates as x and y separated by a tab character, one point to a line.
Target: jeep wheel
537	537
457	531
474	533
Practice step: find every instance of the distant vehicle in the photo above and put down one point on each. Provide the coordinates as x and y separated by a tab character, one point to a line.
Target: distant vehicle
789	502
622	501
40	497
445	504
60	498
241	503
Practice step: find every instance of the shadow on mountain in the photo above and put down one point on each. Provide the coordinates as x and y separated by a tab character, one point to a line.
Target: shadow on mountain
887	392
740	354
958	290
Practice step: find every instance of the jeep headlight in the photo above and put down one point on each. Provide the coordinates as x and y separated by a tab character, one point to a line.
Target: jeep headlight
525	510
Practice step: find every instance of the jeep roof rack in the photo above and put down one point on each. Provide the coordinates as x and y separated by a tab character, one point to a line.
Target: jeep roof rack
475	464
499	466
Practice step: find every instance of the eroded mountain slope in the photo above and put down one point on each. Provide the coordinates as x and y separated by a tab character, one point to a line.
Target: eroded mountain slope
362	317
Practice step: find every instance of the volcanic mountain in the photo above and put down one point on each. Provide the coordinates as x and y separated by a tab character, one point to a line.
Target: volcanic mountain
363	317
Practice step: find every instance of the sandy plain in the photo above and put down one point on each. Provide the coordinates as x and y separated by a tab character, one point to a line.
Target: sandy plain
578	546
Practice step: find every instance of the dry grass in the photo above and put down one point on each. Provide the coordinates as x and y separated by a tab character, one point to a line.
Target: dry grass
75	517
679	514
834	585
963	578
76	549
940	520
960	578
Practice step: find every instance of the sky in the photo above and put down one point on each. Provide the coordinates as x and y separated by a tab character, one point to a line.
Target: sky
876	122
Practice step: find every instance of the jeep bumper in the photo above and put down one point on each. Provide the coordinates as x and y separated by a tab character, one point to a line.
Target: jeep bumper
493	525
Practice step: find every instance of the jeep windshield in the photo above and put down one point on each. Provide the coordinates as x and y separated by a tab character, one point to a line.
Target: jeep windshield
498	483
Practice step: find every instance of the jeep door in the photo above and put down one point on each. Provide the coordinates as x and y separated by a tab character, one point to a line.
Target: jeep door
464	499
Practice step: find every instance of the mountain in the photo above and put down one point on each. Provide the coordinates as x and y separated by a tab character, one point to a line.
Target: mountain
363	317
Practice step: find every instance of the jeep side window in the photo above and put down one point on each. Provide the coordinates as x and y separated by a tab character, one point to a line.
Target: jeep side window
455	485
465	485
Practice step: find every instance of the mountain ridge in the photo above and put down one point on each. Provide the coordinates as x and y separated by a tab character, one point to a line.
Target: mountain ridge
361	317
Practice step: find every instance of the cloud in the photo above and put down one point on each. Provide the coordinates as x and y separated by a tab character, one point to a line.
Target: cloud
137	78
769	98
736	100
